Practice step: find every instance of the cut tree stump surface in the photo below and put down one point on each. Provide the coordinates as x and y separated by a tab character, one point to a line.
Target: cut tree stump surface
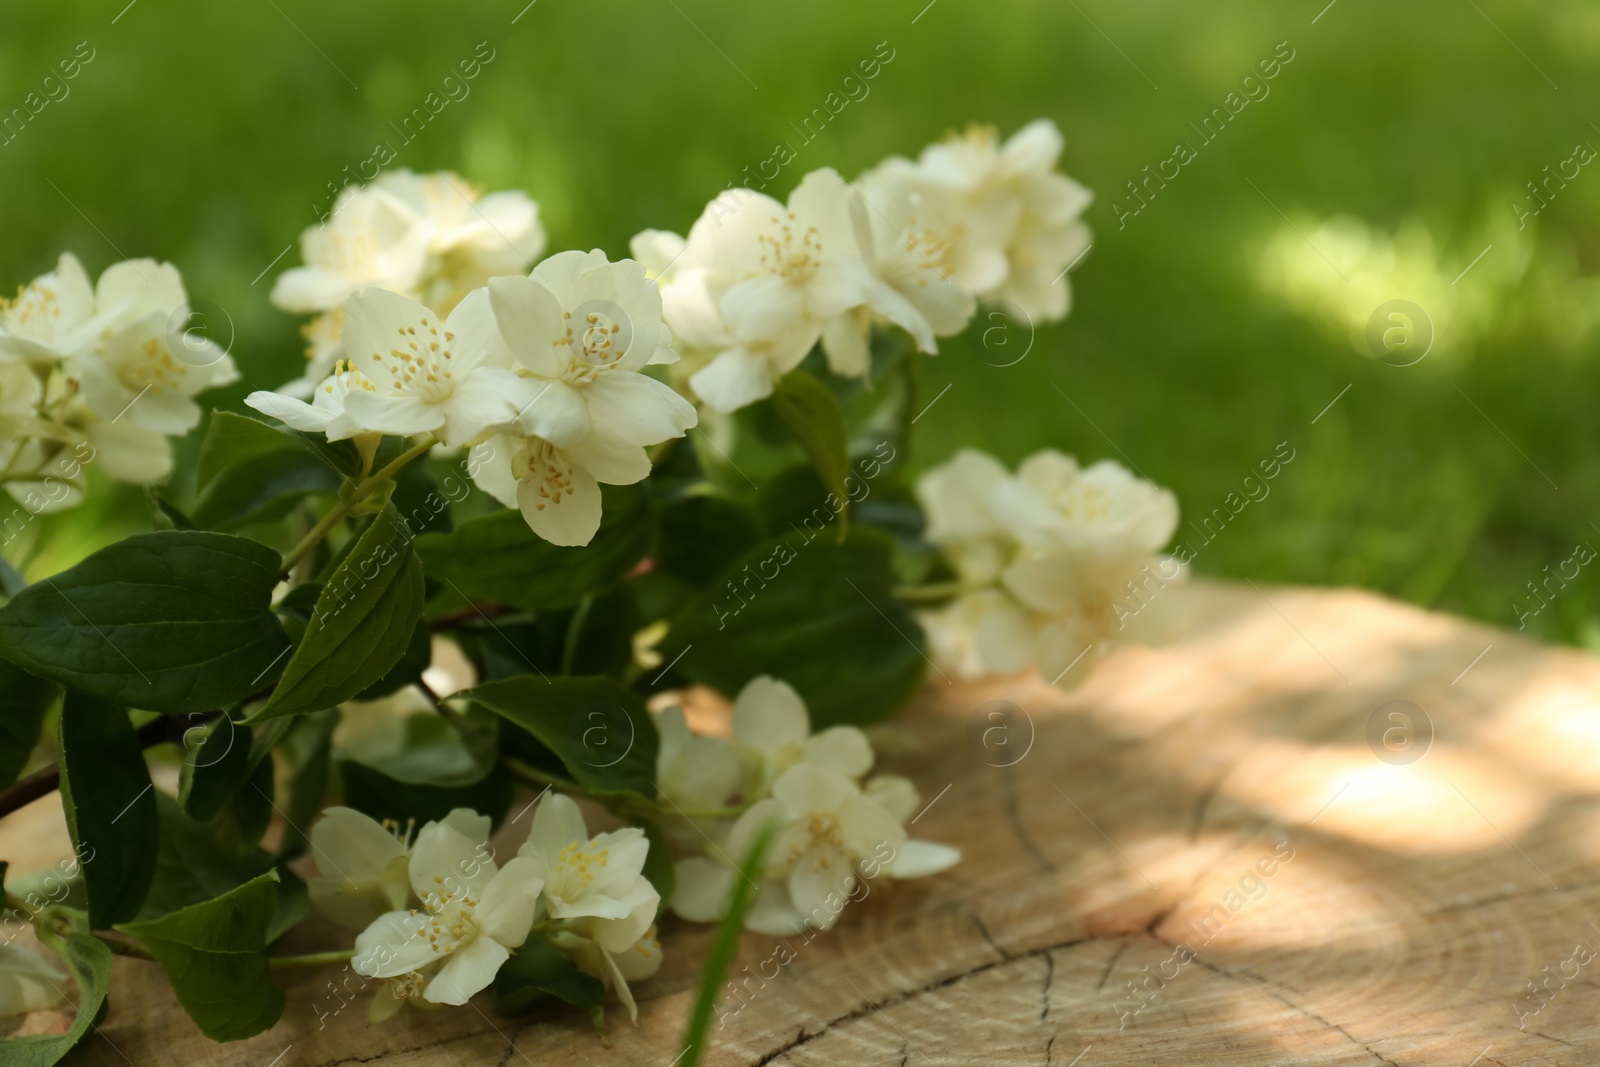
1114	903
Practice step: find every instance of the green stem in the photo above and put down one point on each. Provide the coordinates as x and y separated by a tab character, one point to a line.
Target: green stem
535	777
569	646
315	959
126	948
363	489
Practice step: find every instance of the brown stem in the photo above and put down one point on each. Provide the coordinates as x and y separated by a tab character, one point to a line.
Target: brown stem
456	619
42	782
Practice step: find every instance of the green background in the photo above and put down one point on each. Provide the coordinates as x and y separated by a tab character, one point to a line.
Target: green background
207	134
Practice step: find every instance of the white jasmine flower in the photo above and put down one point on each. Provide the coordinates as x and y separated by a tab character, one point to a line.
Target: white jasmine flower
123	450
580	329
53	317
132	373
371	240
770	720
909	239
1104	510
473	914
597	890
826	828
469	237
693	772
407	373
363	864
27	982
778	275
1020	219
1046	557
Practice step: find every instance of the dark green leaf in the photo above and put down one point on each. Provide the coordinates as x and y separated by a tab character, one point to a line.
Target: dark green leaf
110	806
24	702
362	625
382	797
231	438
306	751
215	956
599	730
170	621
700	534
818	615
599	638
251	472
265	487
89	960
216	762
496	559
197	861
418	654
537	970
814	417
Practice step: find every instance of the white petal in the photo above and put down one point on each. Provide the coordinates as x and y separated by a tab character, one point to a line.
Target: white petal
470	969
702	890
351	846
565	514
845	341
395	944
769	714
841	749
477	404
818	876
469	824
530	321
638	409
806	789
557	822
894	794
400	415
554	411
289	411
27	982
737	378
448	864
505	911
918	859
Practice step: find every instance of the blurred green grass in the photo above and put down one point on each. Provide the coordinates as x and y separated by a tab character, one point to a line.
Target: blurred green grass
206	134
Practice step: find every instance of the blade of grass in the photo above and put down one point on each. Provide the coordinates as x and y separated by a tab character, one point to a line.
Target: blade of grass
722	949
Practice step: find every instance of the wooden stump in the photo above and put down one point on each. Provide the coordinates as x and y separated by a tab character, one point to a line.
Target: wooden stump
1196	858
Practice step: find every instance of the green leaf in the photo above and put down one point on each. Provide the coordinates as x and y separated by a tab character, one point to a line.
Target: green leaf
362	625
376	794
538	969
701	533
496	559
814	417
436	753
197	861
307	752
599	637
171	621
215	764
418	655
723	945
110	806
89	960
251	472
820	616
232	438
599	730
215	956
24	702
